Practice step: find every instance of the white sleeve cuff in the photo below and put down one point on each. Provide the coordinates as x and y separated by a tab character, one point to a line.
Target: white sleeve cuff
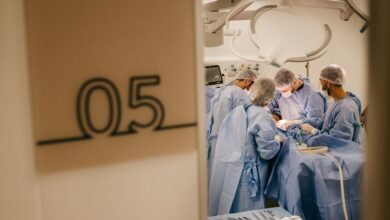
298	121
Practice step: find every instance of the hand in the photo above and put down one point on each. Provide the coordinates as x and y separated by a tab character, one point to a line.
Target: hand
292	122
278	138
281	124
309	129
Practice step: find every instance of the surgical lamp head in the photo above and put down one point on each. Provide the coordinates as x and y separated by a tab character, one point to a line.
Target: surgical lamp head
262	92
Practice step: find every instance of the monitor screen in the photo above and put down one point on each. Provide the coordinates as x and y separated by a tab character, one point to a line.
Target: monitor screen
213	75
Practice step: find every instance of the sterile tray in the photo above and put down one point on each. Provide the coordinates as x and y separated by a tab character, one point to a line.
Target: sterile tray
262	214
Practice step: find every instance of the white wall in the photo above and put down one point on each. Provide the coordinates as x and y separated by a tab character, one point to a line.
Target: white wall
286	32
151	175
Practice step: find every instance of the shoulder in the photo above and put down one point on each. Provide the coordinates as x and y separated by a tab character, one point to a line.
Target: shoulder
356	100
232	89
346	106
308	88
258	112
350	103
311	92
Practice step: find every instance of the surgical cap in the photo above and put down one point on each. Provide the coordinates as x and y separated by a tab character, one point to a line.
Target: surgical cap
262	91
284	78
247	74
334	73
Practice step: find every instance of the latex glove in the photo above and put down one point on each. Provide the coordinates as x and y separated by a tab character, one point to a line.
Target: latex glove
278	138
292	122
309	129
281	124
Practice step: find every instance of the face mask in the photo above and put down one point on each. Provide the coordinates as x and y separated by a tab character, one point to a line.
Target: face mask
252	95
248	92
286	94
329	100
325	93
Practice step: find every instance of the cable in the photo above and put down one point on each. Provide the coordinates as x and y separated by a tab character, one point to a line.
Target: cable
323	150
341	184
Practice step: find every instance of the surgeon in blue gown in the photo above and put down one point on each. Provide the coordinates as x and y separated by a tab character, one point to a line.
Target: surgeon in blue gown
225	100
296	101
246	141
210	92
342	119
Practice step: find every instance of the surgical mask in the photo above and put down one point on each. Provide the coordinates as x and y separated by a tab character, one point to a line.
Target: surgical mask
286	94
252	95
329	100
325	93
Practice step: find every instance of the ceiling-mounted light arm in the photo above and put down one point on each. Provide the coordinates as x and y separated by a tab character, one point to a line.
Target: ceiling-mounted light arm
220	4
236	10
225	18
252	29
315	54
360	13
232	48
330	4
250	59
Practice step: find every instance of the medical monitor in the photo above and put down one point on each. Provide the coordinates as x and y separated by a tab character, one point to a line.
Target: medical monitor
213	75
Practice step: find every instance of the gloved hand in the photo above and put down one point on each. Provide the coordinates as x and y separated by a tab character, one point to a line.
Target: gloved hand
278	138
292	122
309	129
281	124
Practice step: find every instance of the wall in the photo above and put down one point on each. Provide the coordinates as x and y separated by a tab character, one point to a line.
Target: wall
286	32
145	175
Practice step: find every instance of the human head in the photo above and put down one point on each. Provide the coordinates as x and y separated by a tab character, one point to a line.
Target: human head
284	81
262	92
332	76
245	79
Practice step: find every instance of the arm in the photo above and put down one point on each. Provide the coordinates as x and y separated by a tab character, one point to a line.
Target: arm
342	125
267	146
274	107
315	110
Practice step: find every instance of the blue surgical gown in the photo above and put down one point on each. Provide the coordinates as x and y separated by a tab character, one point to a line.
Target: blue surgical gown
342	119
210	92
239	172
305	104
224	101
